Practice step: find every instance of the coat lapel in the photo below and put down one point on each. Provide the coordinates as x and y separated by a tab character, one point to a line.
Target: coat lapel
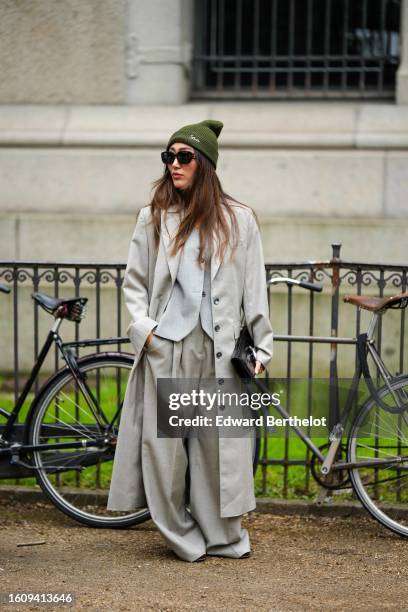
169	226
215	264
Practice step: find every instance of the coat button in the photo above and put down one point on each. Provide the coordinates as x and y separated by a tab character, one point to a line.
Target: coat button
216	300
203	294
220	381
217	328
221	407
219	354
202	260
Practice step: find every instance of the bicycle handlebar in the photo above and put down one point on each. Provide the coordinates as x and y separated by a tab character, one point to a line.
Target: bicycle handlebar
4	288
294	281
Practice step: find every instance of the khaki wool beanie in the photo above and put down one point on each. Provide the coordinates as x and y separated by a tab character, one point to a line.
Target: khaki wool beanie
202	136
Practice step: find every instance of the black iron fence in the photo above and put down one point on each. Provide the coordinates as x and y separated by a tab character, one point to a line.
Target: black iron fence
303	323
296	48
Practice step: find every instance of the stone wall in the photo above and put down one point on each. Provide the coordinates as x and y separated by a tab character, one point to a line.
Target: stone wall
69	52
89	94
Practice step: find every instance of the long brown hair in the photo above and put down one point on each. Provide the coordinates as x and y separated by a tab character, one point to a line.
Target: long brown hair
204	204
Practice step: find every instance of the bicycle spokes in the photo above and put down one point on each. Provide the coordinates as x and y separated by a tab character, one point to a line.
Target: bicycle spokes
380	438
76	457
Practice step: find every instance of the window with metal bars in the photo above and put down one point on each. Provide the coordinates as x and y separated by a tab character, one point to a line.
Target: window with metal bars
296	48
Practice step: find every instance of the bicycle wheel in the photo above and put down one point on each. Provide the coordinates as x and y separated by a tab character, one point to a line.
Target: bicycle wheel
77	479
379	434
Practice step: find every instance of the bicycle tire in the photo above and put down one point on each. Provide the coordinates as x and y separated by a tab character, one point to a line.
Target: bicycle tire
375	498
57	383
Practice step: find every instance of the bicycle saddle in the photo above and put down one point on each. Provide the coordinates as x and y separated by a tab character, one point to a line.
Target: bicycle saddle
66	308
375	304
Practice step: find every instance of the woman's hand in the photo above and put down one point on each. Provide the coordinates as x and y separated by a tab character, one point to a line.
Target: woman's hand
259	367
148	340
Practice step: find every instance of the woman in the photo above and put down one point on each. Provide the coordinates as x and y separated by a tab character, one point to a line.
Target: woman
195	258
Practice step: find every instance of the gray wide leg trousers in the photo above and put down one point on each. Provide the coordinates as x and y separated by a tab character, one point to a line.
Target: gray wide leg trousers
165	460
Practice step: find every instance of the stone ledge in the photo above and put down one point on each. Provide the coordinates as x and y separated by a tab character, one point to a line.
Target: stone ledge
302	507
264	505
277	124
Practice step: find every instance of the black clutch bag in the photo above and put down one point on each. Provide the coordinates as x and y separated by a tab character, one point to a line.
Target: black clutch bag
243	356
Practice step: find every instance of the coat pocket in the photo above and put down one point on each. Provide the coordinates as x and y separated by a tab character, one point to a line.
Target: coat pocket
138	331
154	344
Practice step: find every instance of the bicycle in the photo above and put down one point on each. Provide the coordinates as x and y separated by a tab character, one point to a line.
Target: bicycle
376	452
69	434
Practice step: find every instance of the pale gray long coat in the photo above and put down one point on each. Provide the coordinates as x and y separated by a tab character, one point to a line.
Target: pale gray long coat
147	286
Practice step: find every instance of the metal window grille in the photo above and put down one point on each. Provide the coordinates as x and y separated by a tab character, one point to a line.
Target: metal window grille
296	48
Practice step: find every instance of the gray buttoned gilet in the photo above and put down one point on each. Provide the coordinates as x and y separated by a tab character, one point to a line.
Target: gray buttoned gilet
191	295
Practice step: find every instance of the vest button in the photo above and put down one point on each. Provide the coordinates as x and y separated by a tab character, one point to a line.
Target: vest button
219	355
216	300
220	381
217	328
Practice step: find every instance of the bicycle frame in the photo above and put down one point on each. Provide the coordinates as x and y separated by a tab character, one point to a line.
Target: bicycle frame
364	344
66	350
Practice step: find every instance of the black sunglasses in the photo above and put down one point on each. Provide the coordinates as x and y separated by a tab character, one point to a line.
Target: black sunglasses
183	157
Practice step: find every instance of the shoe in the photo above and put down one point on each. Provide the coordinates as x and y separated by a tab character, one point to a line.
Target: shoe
202	558
246	555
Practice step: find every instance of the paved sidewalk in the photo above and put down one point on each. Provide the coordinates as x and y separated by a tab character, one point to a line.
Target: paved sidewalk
298	563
